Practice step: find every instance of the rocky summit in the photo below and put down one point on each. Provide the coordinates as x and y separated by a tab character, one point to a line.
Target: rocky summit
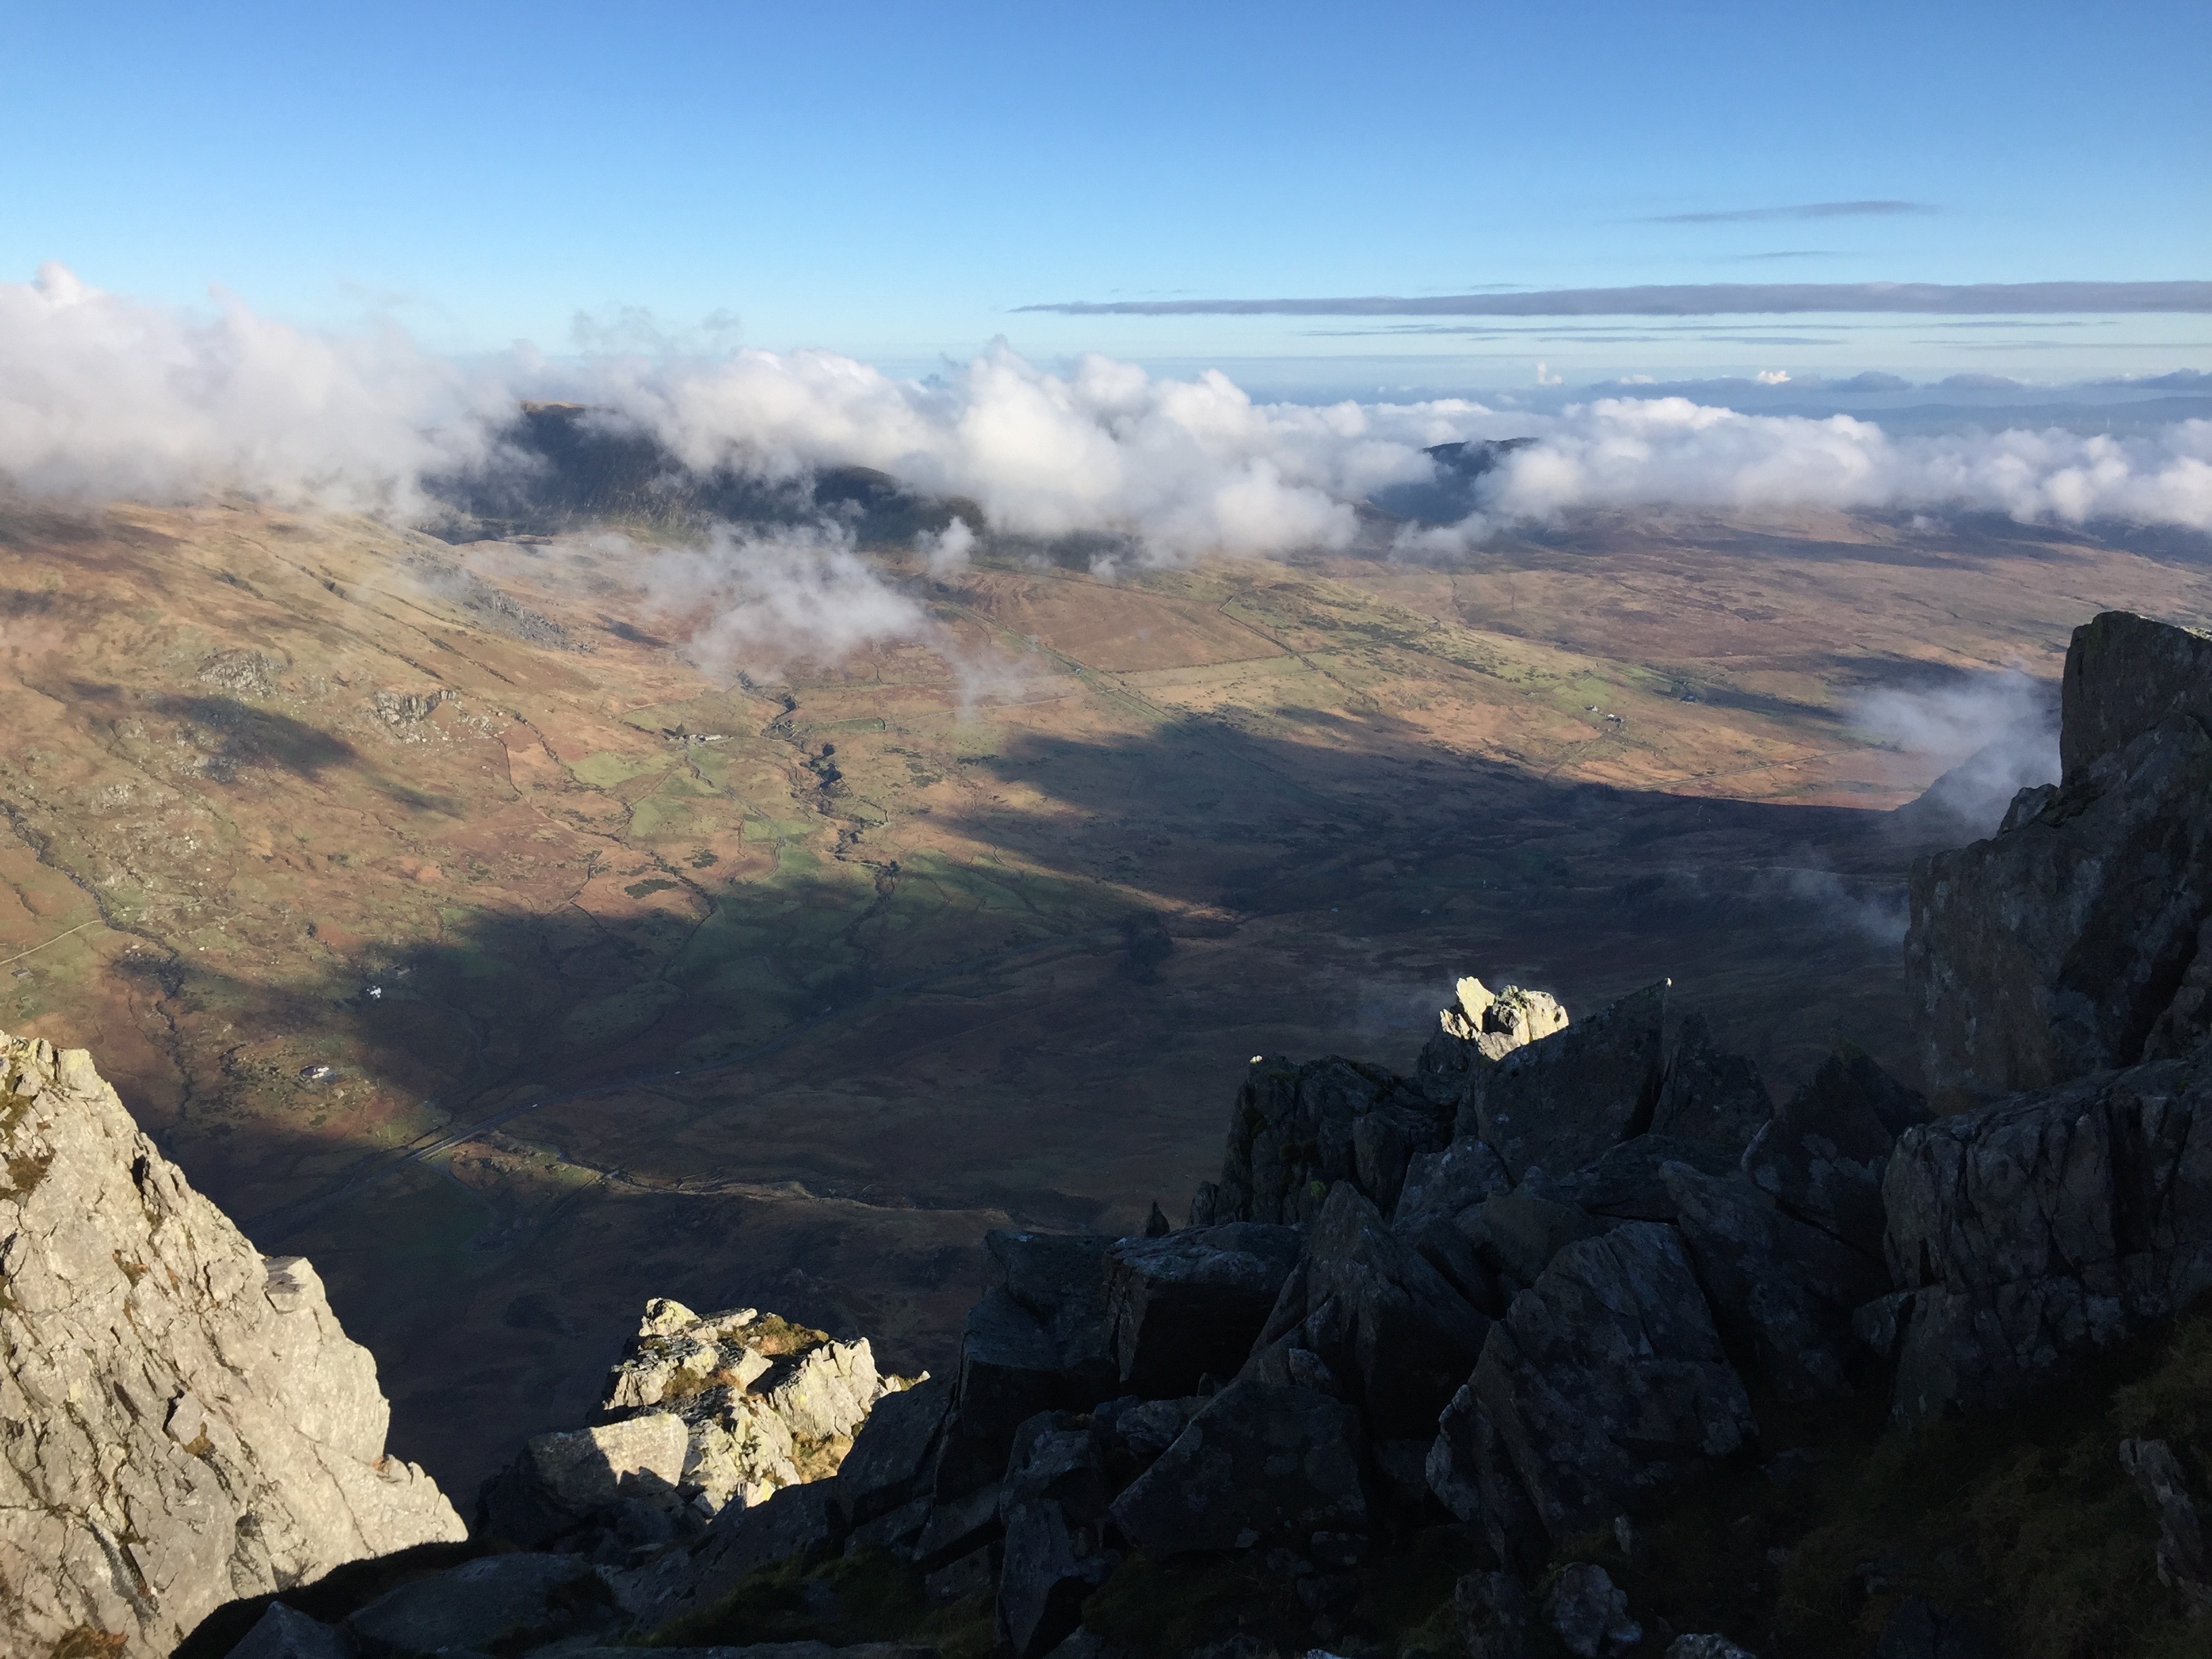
1574	1342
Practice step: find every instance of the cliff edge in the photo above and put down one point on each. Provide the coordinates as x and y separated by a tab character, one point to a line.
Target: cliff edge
182	1420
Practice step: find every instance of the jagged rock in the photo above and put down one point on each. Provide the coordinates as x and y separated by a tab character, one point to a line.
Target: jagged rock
282	1633
1606	1381
1261	1463
958	1525
794	1521
2036	1231
973	1574
1493	1617
1788	1290
1392	1333
1479	1028
563	1481
1132	1432
1517	1234
497	1603
1708	1095
1438	1185
2185	1559
1917	1631
1471	1475
1589	1612
1559	1103
2057	947
1036	1341
1822	1155
889	1466
765	1403
1190	1304
761	1651
1706	1647
1299	1129
1626	1182
1051	1506
182	1421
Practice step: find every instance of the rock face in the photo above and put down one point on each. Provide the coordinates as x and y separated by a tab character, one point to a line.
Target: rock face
1299	1129
1481	1026
2032	1233
182	1420
2069	942
1557	1104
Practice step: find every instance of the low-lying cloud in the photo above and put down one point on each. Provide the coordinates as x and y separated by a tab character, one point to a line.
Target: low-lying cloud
1987	738
102	397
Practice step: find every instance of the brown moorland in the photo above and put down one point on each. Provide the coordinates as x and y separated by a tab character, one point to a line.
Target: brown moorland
636	980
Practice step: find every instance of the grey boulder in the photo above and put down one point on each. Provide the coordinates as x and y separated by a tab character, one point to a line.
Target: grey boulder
1190	1304
1296	1130
1589	1613
2183	1558
284	1632
1822	1157
1055	1553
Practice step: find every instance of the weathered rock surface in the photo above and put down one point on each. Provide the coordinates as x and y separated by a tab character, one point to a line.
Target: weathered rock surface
1480	1027
1787	1289
497	1604
1053	1507
2033	1232
182	1420
765	1403
1492	1616
1189	1305
283	1633
1708	1095
1389	1333
1822	1156
1440	1184
1297	1130
1605	1382
2183	1558
1589	1613
1557	1104
889	1466
2057	947
1261	1463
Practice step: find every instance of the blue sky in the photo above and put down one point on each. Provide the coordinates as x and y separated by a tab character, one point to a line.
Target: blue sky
897	182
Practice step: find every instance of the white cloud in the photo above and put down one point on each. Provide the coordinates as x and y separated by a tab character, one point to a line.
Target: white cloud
1988	739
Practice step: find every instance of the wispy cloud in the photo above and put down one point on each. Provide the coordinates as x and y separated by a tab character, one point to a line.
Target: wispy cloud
1695	300
1796	210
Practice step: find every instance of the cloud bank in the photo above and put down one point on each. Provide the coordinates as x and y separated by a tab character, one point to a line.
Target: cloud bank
1696	300
104	398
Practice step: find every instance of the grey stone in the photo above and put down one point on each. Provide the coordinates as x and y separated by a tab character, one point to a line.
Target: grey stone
795	1521
2057	947
1517	1234
1396	1336
1785	1289
284	1632
204	1429
1626	1182
1471	1475
1822	1155
2034	1232
973	1574
957	1524
1706	1646
1605	1380
561	1480
1261	1463
2184	1559
889	1466
1188	1304
1589	1612
1480	1027
498	1603
1132	1432
1296	1130
1055	1553
1709	1096
1438	1185
1559	1103
759	1650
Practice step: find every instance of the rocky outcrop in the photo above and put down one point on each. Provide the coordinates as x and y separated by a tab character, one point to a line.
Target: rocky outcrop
2070	941
1481	1026
1556	1104
2031	1234
182	1420
1296	1130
